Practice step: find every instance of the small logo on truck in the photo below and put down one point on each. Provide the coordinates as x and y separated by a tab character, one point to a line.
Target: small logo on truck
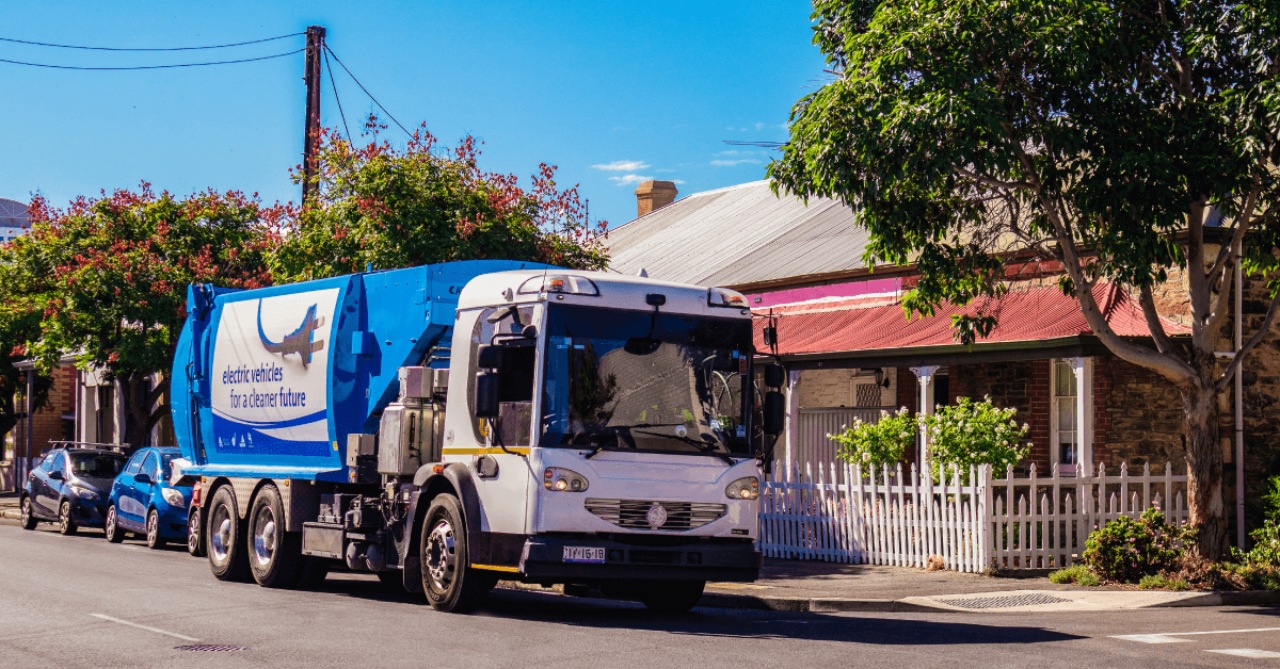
657	516
300	342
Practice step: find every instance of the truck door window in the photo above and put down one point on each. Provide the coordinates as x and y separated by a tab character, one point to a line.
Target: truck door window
515	395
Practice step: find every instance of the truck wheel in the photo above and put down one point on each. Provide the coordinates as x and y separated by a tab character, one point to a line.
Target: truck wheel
274	555
154	540
110	528
672	596
448	580
66	524
28	521
224	534
195	546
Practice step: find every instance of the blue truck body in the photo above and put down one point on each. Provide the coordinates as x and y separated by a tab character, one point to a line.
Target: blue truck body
268	383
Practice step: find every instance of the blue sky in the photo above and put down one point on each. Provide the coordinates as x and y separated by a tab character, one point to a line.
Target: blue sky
609	92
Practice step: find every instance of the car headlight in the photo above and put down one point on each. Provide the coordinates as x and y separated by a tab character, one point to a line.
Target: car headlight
174	497
558	479
85	493
744	488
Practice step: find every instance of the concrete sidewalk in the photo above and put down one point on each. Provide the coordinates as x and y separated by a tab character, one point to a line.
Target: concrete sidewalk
792	585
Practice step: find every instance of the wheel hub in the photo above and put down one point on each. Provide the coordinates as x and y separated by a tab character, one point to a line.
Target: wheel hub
264	537
441	554
220	542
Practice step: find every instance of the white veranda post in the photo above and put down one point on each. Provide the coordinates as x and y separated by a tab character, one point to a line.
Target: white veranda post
793	415
1084	418
924	377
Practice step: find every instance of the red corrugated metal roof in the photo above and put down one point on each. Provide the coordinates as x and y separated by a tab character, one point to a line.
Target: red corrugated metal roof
875	324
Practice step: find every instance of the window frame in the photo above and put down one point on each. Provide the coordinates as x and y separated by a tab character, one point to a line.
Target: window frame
1083	439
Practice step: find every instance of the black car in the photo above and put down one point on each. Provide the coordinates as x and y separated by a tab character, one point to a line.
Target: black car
70	486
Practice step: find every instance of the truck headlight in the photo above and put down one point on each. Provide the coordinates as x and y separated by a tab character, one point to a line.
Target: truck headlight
558	479
174	497
85	493
744	488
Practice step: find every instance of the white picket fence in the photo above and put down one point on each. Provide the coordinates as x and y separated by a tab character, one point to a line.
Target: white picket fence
970	521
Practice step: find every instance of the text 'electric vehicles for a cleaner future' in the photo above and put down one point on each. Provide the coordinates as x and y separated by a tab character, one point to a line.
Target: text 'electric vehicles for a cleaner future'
449	425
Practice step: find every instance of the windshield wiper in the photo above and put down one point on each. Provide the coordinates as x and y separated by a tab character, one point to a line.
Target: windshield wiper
703	446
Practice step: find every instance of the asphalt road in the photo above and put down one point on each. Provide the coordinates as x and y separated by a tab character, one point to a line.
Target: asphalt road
81	602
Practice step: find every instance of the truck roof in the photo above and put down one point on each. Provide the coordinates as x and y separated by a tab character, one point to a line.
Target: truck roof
603	289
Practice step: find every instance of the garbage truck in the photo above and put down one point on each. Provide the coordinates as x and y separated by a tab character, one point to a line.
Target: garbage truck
452	425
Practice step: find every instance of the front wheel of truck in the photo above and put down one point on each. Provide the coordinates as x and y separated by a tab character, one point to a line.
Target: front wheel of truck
224	537
448	580
275	556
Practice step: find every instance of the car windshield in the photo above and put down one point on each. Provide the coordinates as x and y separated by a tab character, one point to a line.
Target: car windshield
96	465
166	464
646	381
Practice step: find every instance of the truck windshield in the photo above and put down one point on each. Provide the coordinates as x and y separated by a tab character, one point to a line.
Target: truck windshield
646	381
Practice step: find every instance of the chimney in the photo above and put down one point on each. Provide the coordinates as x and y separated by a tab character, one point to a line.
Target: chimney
654	195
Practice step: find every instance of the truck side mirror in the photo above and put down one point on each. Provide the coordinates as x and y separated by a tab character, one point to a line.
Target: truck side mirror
775	413
774	376
487	388
490	356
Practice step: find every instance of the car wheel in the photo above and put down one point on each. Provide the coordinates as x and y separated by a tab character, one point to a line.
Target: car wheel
193	533
111	529
154	540
447	577
66	524
28	521
275	555
224	537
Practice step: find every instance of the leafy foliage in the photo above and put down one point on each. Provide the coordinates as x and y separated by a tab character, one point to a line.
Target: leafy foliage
880	443
1128	549
388	207
1101	138
1265	551
112	274
19	323
975	433
1077	574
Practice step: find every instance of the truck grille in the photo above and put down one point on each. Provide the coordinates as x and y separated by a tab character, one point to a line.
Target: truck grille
634	513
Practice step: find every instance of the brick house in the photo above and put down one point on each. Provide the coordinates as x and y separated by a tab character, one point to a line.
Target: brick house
55	421
851	353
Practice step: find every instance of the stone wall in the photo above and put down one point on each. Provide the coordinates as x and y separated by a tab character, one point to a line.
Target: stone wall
1141	416
1261	382
834	387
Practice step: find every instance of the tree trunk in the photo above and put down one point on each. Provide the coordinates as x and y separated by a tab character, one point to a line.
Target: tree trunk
1204	469
137	412
8	413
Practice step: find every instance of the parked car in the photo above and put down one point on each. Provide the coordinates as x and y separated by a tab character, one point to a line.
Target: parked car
143	499
70	487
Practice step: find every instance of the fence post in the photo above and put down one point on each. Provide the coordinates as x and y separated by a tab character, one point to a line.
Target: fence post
985	535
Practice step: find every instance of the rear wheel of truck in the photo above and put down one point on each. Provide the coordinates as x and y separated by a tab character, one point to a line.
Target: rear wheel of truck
275	556
228	559
448	580
672	596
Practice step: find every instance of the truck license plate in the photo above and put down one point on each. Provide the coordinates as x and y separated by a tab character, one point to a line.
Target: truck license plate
584	554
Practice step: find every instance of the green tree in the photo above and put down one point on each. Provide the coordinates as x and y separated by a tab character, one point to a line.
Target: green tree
112	274
1104	135
19	323
389	207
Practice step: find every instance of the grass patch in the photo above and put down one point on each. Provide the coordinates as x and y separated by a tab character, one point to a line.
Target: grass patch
1162	582
1077	574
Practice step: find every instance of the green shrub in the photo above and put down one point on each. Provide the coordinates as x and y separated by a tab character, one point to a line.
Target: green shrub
1126	549
974	433
1266	539
1077	574
1162	582
884	442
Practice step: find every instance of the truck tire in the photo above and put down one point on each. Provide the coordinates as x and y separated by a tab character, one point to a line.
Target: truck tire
224	535
28	521
672	596
275	556
111	529
448	580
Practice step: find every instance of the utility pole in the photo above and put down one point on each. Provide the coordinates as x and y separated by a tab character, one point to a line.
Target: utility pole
311	76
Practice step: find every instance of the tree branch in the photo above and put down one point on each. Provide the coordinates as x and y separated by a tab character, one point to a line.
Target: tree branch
1148	302
1272	308
1242	225
991	181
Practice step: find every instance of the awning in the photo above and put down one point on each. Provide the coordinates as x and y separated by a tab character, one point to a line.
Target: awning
1026	317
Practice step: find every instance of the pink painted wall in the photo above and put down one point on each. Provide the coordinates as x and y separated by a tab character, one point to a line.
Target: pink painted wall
848	289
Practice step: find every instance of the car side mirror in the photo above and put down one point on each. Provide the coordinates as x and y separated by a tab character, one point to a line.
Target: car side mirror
486	400
775	413
142	477
56	475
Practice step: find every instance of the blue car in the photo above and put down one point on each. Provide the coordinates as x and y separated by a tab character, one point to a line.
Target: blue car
143	501
69	487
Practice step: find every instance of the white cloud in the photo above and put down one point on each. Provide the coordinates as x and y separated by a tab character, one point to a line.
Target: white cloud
759	126
622	166
628	179
735	162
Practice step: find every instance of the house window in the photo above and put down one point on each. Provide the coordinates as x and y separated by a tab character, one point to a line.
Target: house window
1069	433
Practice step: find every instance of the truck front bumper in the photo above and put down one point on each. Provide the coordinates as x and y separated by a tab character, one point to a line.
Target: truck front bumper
635	559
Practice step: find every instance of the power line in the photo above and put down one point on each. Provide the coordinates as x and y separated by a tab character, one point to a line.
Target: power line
178	48
329	68
151	67
366	91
